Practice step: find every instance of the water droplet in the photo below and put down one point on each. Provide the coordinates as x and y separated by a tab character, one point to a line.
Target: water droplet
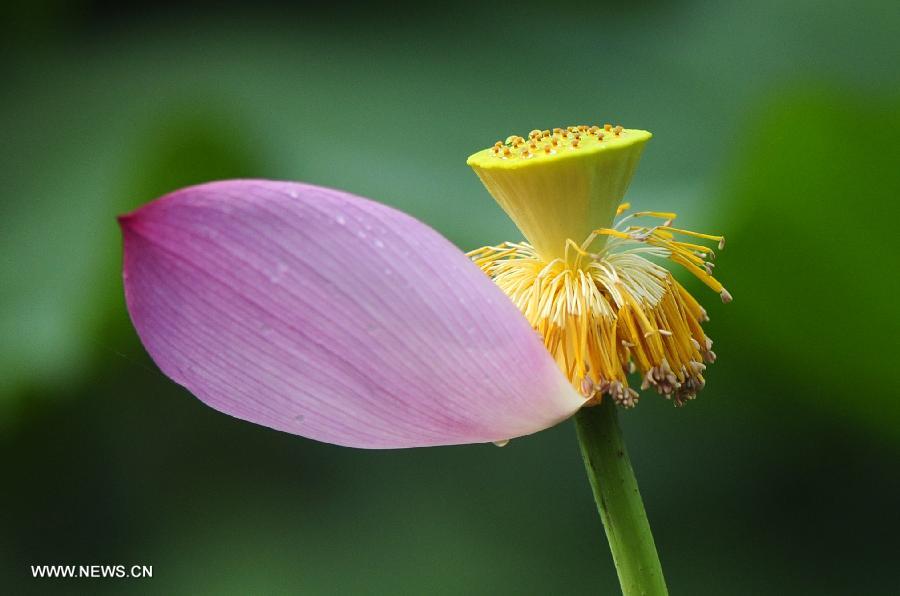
361	234
379	244
340	220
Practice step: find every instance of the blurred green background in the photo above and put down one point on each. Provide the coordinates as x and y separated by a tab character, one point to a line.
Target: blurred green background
775	122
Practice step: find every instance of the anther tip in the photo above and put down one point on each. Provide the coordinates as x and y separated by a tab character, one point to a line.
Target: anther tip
726	296
587	387
722	243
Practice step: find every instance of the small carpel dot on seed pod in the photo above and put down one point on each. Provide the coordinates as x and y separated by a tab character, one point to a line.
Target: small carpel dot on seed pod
607	127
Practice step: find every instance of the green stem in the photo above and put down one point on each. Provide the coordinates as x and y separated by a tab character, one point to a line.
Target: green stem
618	501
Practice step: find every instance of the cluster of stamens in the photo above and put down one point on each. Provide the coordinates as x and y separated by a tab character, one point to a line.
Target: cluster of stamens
608	314
552	142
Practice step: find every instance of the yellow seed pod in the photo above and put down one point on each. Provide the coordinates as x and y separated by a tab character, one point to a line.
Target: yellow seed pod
554	196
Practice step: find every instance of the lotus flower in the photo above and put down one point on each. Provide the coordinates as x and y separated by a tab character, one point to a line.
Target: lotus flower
327	315
323	314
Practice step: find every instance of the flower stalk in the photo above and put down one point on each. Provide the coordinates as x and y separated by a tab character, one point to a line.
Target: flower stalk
619	501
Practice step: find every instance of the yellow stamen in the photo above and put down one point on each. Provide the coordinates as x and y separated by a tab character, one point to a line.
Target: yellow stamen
695	234
603	316
604	311
660	214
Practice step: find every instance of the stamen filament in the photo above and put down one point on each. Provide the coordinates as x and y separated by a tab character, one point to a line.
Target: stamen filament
605	315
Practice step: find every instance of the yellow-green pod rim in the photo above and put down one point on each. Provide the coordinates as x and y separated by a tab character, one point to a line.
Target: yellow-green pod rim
561	184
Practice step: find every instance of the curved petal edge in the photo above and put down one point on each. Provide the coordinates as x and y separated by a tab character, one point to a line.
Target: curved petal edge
326	315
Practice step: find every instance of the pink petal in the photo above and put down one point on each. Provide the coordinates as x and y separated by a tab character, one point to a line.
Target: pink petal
327	315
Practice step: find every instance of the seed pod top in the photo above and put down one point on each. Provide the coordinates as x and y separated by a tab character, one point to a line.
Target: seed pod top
561	184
